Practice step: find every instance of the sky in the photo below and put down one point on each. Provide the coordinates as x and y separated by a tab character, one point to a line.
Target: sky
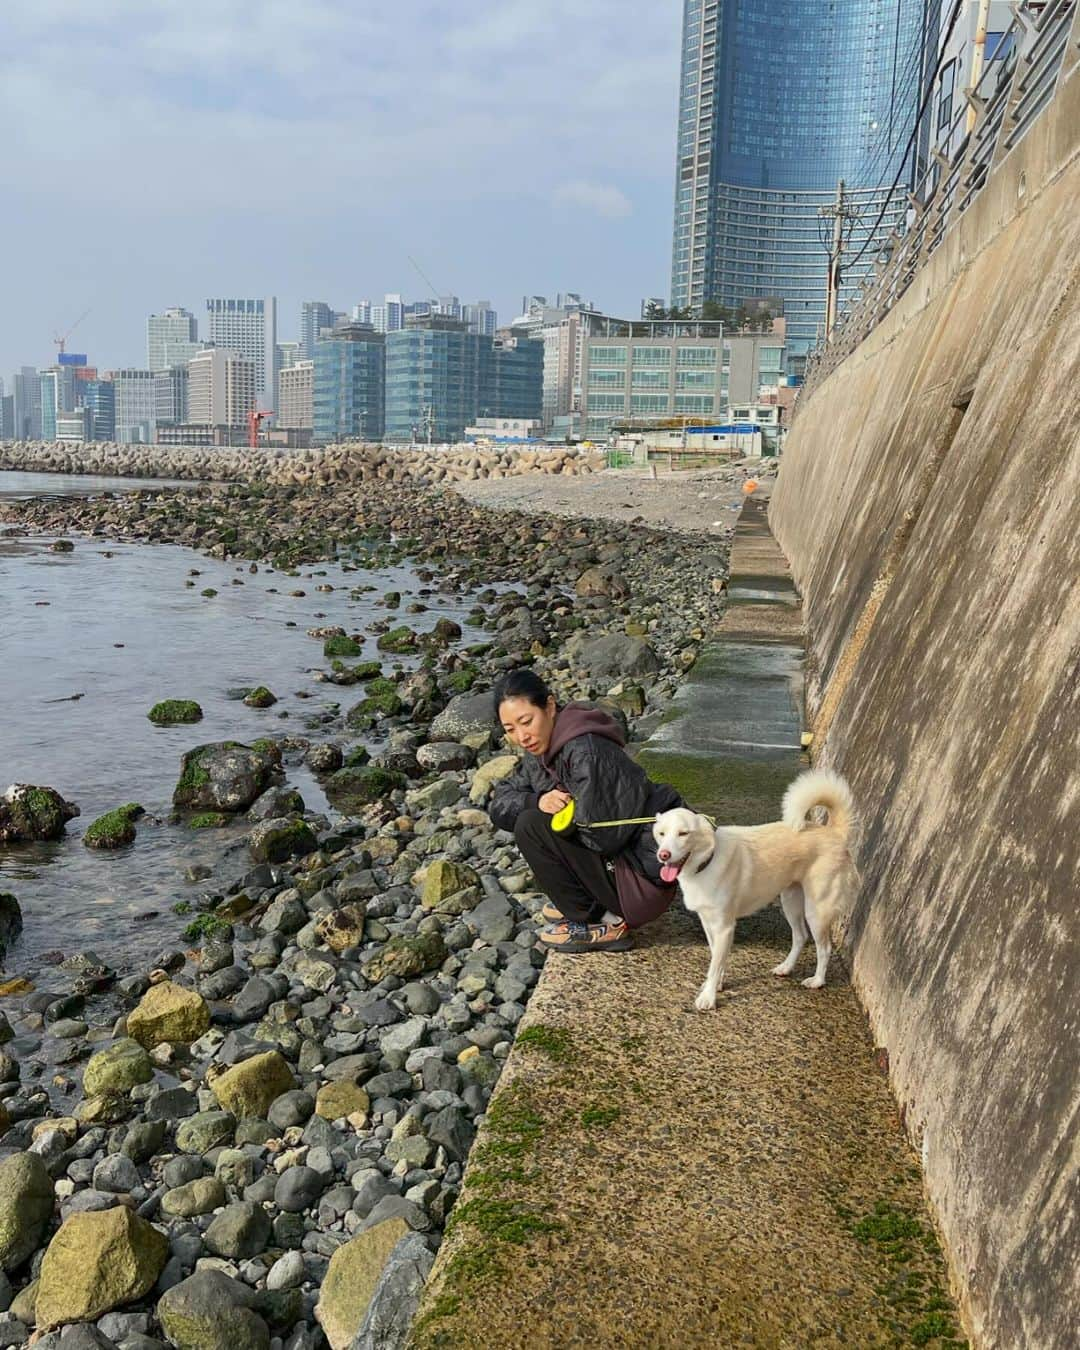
158	152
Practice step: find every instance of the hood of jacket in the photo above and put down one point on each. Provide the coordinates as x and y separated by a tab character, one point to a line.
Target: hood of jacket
581	719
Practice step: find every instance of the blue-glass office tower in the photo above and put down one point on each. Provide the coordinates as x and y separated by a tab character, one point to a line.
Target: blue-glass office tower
779	100
512	384
349	386
99	400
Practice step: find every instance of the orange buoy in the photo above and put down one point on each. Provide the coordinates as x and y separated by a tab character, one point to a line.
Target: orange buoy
750	486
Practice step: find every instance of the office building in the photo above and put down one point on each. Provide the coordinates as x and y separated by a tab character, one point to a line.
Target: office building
99	401
7	417
511	378
647	371
950	110
133	391
73	426
432	379
774	109
289	353
222	388
172	339
296	390
171	396
349	382
49	402
249	328
26	396
315	315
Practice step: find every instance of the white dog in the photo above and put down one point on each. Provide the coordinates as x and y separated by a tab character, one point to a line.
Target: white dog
736	870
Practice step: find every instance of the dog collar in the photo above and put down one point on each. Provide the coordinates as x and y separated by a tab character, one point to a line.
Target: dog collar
701	866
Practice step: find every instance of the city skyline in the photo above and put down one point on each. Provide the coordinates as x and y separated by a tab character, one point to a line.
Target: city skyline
238	184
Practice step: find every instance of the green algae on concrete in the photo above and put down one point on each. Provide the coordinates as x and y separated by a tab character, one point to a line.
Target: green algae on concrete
733	792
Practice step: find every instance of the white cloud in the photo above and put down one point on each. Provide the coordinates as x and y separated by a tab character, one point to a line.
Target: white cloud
599	199
319	143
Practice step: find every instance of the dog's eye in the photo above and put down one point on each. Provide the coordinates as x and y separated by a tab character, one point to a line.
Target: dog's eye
683	833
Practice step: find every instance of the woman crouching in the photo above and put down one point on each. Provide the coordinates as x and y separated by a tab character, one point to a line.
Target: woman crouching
600	883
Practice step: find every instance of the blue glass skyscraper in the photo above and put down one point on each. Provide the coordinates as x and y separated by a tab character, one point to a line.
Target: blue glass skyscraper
779	100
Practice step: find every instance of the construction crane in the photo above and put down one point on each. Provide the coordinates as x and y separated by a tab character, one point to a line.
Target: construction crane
255	419
424	277
60	341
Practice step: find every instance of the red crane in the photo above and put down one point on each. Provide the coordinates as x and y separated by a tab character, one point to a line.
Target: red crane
255	420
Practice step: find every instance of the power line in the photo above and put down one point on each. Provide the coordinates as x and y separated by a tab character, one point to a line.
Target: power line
930	86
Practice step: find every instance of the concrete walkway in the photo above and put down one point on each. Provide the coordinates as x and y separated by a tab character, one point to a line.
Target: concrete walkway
650	1176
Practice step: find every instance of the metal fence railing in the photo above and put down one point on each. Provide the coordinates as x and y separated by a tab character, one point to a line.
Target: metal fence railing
1037	53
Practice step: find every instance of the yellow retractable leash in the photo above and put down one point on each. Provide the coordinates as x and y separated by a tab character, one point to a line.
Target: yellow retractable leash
562	820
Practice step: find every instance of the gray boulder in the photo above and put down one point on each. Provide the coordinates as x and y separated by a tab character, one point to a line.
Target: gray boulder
464	715
208	1311
223	776
396	1298
239	1232
29	813
615	655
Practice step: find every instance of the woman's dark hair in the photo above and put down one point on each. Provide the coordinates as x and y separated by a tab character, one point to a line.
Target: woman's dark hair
521	683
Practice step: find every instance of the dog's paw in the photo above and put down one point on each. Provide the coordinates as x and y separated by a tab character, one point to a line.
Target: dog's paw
783	969
705	1002
814	982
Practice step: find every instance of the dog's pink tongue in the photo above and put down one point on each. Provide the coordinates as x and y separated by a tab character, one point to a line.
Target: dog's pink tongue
669	874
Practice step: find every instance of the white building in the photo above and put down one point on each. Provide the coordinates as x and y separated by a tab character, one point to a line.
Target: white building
172	339
296	387
74	426
388	317
136	406
248	327
481	318
221	388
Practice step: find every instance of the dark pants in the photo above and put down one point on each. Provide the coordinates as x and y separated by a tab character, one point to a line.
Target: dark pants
572	876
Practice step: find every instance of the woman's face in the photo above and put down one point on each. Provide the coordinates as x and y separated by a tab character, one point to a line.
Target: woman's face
527	725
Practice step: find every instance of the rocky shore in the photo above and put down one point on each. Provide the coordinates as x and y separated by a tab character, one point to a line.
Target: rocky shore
331	464
264	1148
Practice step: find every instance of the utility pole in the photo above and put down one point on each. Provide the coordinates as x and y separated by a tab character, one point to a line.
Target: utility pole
978	58
843	215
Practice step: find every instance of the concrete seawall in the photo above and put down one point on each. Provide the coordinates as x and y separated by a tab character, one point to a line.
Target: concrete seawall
928	503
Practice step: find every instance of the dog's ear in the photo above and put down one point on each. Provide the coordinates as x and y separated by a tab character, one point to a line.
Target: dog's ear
703	824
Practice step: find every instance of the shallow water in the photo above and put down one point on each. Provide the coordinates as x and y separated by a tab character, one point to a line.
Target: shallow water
116	624
21	485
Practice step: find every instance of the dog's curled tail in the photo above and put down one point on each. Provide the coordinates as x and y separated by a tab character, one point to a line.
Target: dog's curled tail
819	787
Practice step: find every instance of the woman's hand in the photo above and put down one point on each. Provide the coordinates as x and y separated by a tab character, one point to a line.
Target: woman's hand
551	803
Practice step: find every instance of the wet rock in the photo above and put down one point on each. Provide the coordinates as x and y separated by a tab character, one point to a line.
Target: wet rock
209	1311
433	797
324	759
26	1206
350	790
276	802
168	1012
260	697
118	1068
616	655
224	776
343	927
277	840
173	710
443	756
11	922
351	1280
97	1262
250	1087
29	814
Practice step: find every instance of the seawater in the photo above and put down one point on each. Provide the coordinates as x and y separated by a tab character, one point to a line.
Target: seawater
116	624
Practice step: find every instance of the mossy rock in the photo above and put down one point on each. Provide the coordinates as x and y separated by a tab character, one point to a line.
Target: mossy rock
208	926
209	820
168	1012
461	681
260	697
96	1262
406	956
29	814
173	710
341	645
400	640
376	705
350	790
276	841
357	757
252	1086
117	1068
115	828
